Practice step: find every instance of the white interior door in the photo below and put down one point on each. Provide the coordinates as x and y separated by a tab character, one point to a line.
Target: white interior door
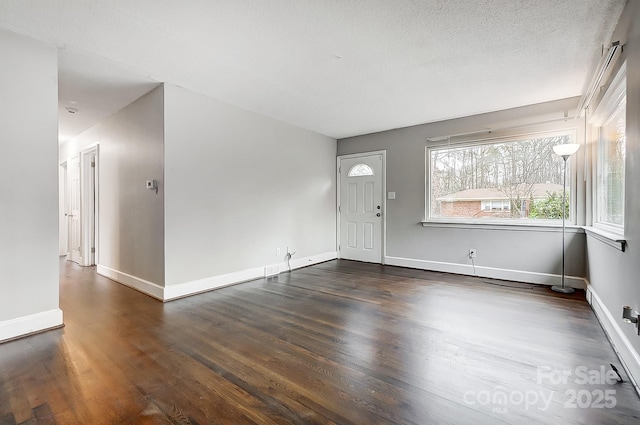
75	231
63	210
360	208
89	199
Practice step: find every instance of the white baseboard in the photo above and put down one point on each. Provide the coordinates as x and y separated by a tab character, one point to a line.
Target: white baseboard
180	290
152	289
26	325
488	272
297	263
626	353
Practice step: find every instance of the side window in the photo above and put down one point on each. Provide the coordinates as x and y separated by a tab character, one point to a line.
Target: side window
610	120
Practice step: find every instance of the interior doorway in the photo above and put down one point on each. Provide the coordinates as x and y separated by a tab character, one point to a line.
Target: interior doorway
73	211
81	207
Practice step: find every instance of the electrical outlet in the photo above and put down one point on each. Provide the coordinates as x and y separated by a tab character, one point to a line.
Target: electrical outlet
472	253
277	252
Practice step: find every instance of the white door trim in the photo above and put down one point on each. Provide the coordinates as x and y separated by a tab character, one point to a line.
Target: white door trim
89	204
384	198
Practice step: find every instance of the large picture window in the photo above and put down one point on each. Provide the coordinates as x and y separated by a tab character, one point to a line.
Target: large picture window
506	179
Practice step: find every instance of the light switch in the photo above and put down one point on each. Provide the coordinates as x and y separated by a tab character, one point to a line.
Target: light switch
391	195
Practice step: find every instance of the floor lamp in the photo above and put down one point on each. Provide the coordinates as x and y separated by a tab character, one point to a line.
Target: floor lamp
564	151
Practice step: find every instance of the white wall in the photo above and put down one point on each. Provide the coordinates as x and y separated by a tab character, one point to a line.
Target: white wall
516	254
131	217
238	186
28	187
615	275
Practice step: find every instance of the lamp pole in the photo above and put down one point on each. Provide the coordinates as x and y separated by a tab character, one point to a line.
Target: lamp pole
565	151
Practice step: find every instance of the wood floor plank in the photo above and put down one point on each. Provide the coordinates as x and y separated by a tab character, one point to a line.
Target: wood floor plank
20	407
7	420
341	342
43	415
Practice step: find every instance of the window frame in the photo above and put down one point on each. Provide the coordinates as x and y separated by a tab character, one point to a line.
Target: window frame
607	108
520	134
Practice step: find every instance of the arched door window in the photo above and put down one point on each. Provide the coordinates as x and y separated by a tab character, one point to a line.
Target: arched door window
359	170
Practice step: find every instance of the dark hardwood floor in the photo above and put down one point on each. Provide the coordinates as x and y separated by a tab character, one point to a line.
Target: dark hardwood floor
336	343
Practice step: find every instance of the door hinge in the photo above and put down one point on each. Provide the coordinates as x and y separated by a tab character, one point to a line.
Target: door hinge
338	208
93	250
93	164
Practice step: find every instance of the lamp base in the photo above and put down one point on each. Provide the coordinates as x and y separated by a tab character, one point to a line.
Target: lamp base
565	290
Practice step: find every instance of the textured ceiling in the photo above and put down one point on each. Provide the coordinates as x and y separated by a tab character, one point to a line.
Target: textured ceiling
337	67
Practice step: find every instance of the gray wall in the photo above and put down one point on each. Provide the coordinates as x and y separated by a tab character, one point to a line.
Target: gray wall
28	179
615	275
131	217
240	185
516	254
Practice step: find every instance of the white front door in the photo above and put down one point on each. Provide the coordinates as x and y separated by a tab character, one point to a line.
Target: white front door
360	207
73	208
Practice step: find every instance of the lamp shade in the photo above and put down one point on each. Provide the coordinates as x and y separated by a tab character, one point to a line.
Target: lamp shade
566	149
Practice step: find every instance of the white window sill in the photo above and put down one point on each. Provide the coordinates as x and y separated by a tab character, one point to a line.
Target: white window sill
528	226
612	239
